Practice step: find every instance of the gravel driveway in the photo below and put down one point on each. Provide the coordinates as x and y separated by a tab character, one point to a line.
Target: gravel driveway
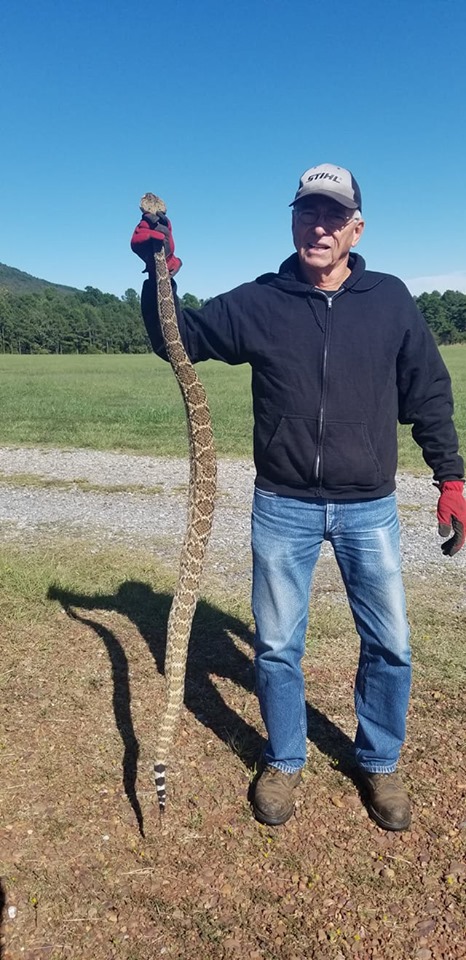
156	519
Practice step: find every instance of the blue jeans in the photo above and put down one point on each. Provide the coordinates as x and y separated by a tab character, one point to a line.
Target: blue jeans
287	534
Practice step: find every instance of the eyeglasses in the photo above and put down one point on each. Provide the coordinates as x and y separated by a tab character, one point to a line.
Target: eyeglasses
330	219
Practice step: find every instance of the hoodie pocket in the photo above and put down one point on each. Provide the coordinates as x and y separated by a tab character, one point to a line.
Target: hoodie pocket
348	459
291	452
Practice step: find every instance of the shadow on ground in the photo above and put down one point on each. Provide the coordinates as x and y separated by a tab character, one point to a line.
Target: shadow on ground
211	650
2	909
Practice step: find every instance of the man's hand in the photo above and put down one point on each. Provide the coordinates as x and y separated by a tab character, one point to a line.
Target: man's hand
451	512
155	228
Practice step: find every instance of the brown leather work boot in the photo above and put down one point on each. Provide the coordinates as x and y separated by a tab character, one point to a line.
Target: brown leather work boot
389	803
273	797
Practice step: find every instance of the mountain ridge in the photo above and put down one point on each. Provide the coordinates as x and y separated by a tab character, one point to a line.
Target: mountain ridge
18	281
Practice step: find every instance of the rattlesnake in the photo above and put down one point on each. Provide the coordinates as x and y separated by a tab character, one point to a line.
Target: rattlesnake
202	486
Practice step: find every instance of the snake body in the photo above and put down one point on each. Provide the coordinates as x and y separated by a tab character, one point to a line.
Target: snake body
201	498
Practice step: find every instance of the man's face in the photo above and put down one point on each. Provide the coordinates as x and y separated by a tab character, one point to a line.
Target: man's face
324	233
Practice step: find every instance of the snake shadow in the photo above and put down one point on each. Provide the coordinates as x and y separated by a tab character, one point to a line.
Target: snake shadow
211	650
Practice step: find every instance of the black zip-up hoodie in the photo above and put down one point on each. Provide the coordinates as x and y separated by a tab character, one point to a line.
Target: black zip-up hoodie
331	375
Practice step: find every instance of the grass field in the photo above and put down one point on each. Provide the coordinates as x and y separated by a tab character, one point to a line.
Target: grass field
132	403
129	403
87	870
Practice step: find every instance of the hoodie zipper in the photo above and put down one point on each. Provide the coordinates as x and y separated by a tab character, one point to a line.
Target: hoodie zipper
321	418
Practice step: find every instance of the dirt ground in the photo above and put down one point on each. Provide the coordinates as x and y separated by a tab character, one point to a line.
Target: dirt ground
87	868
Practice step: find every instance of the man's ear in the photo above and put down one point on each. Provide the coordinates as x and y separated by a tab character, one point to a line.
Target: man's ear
358	232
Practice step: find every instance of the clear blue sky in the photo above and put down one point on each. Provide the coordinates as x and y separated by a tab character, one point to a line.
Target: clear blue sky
219	106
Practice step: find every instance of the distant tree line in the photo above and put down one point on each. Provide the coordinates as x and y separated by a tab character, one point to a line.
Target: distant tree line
85	321
446	315
89	321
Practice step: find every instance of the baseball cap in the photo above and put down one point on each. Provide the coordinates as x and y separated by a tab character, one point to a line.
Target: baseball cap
330	181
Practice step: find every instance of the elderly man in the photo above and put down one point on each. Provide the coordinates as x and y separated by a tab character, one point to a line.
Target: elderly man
339	355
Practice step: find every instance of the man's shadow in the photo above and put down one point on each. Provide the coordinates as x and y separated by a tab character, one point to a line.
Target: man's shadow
211	650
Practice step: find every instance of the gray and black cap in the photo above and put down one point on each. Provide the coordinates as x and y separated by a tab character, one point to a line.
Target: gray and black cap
330	181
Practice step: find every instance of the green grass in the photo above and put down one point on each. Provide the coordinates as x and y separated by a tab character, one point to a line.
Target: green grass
34	581
32	480
127	403
133	403
410	457
81	567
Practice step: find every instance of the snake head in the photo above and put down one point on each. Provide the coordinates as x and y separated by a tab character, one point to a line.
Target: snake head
150	203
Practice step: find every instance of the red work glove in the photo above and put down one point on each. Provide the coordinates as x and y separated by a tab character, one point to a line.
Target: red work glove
451	512
155	227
